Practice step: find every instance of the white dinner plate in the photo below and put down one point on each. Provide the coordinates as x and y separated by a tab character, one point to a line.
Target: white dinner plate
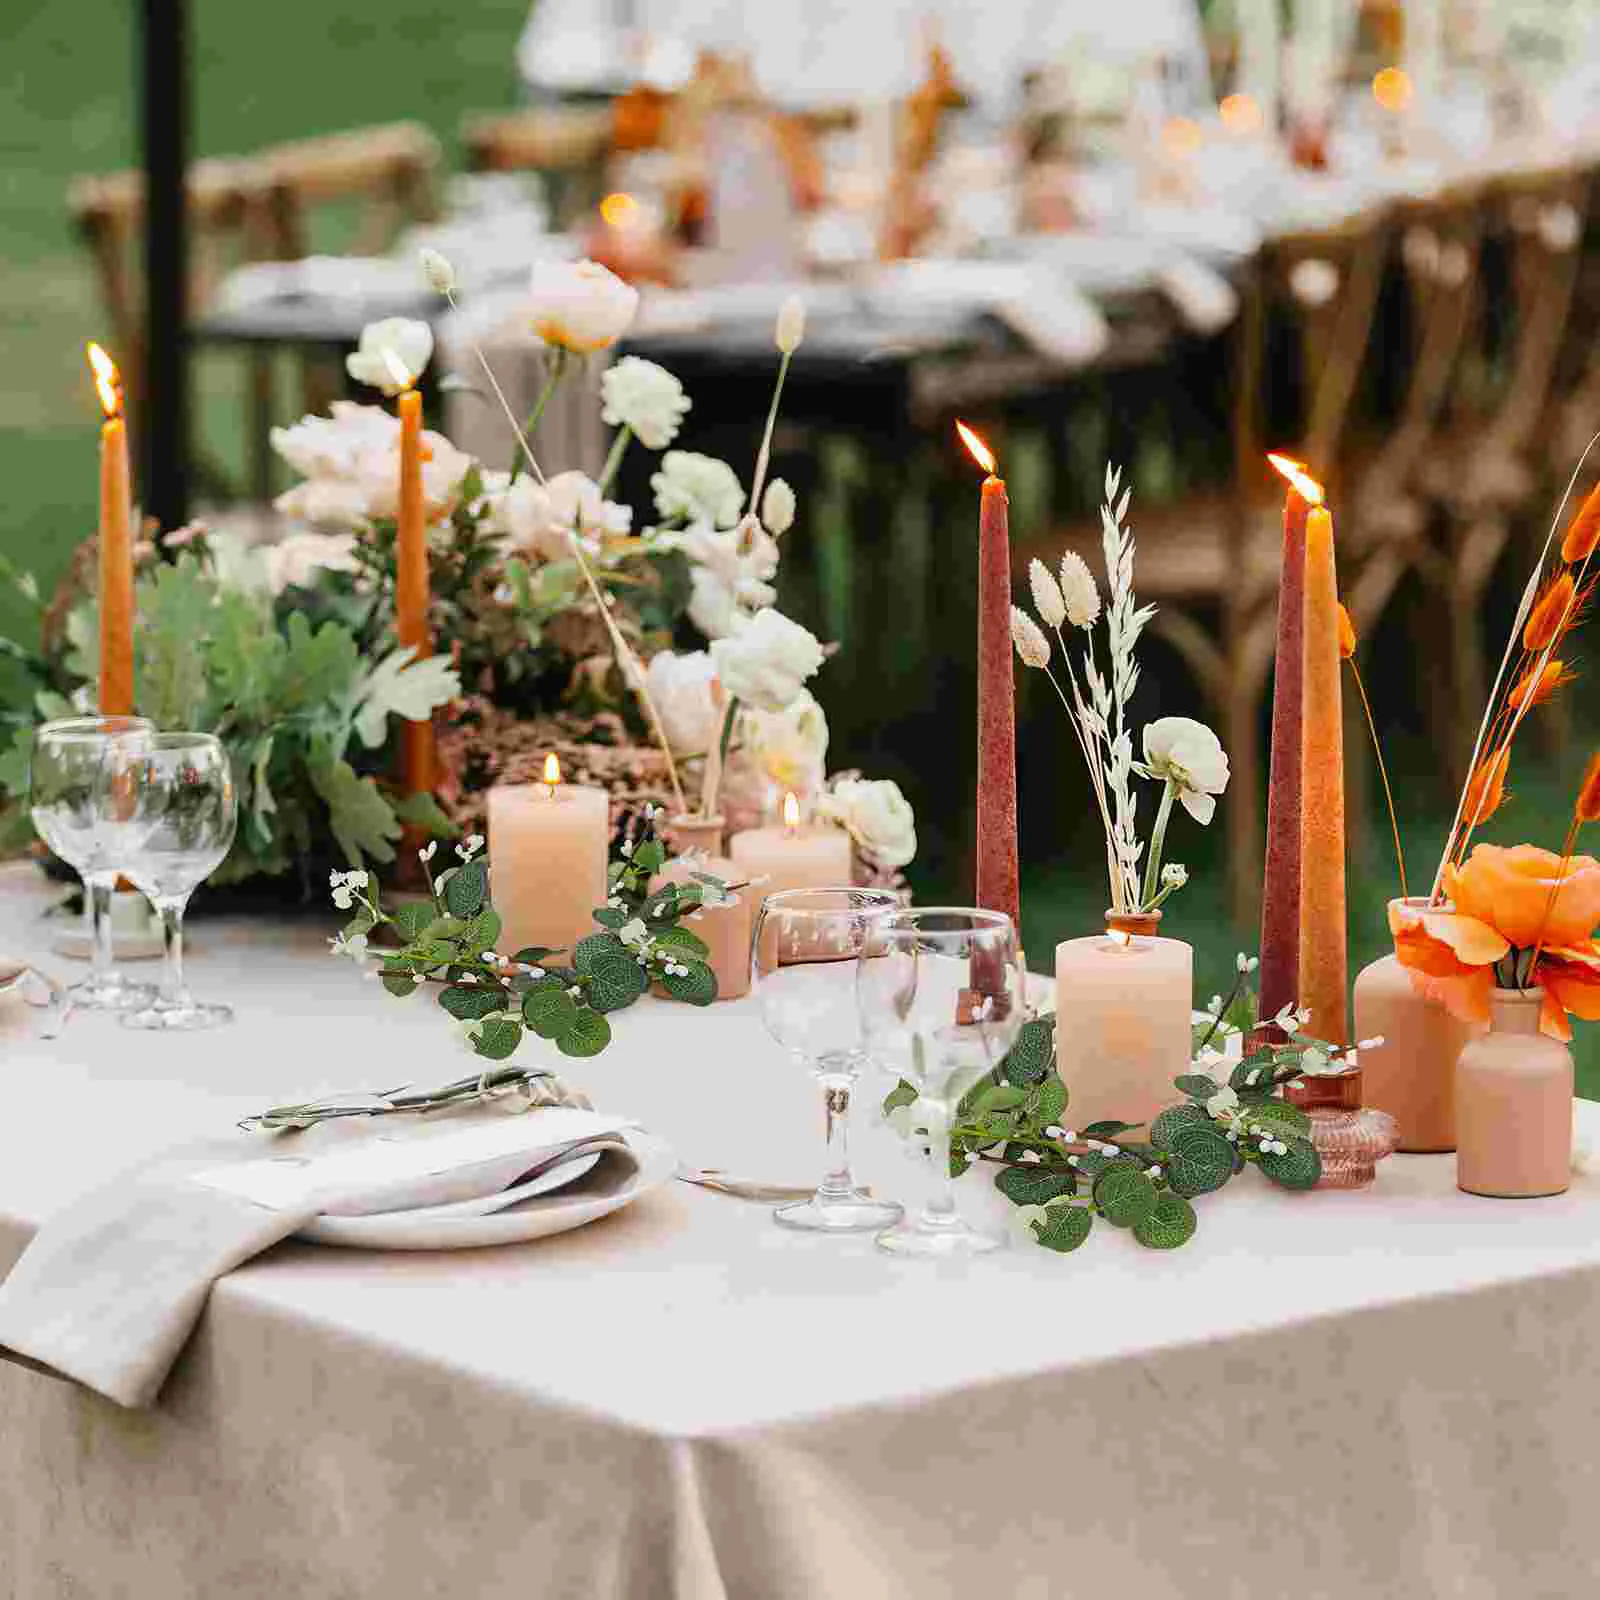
610	1183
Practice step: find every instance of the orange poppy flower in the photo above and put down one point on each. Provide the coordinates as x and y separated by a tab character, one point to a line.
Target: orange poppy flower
1551	613
1450	957
1527	894
1583	532
1570	977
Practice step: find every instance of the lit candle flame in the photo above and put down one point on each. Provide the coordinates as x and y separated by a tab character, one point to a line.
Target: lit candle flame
397	368
1304	484
981	453
1391	88
552	770
619	209
791	813
107	380
1240	113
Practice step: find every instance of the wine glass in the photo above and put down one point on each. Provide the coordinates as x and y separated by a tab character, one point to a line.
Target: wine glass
940	992
62	773
169	810
803	937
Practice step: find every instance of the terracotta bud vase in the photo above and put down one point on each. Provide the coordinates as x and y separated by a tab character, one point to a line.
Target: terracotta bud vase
1411	1075
1514	1104
1124	1004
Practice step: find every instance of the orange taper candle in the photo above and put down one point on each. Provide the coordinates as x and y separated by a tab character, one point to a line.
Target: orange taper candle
1322	908
411	585
116	544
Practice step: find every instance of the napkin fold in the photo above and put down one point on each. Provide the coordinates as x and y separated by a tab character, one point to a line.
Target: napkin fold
110	1288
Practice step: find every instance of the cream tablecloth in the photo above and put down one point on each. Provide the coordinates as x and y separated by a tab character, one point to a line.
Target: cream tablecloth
1384	1393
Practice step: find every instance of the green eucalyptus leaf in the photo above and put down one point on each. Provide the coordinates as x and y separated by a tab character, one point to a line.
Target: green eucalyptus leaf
696	987
1050	1101
998	1097
480	934
468	1002
1031	1185
1063	1227
1197	1085
398	981
903	1094
1254	1072
588	1034
498	1038
615	977
411	917
467	889
1124	1195
1108	1129
611	917
1171	1223
1175	1118
534	955
1299	1169
676	938
1032	1054
548	1009
1198	1160
650	856
1280	1118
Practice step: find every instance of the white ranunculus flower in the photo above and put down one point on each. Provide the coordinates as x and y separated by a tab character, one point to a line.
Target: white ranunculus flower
697	488
350	461
392	354
298	557
579	305
778	507
640	395
791	746
1185	752
713	606
540	518
682	689
766	660
877	816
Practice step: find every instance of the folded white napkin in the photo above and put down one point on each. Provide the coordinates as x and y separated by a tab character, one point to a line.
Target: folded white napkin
110	1289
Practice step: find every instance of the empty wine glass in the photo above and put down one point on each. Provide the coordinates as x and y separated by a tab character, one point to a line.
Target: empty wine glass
168	811
940	992
62	773
803	937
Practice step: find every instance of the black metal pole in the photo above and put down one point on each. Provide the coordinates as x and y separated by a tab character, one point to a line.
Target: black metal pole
164	411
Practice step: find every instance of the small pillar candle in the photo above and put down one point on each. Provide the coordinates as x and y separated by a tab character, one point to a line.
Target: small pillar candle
549	844
115	591
792	857
727	929
1124	1003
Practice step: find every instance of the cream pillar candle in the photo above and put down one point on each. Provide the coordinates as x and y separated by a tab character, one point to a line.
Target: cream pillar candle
548	848
1123	1010
727	929
792	857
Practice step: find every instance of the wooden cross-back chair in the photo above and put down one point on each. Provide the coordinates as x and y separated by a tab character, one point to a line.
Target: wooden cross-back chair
1210	562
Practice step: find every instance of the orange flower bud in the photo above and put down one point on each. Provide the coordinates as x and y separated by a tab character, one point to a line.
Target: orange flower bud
1347	635
1583	532
1588	806
1549	616
1526	693
1486	788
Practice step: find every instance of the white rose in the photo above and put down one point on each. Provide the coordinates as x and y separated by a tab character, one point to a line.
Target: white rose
790	746
579	305
327	447
539	519
326	503
298	557
877	816
697	488
682	691
1187	753
640	395
766	660
778	507
392	355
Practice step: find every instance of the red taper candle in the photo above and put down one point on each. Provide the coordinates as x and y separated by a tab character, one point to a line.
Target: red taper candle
998	877
1280	900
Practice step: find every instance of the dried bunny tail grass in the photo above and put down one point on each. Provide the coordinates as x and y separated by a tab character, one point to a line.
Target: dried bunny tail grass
1032	646
1550	611
1523	608
1079	591
1347	636
1587	808
1583	532
1486	788
1535	687
1047	597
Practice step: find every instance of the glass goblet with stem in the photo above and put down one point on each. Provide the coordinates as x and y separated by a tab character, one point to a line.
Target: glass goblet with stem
940	992
63	771
805	940
169	811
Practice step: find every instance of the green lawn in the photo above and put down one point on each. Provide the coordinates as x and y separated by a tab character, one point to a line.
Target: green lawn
295	68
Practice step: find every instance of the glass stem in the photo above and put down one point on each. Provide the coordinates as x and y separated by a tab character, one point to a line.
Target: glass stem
940	1211
98	889
173	991
838	1183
